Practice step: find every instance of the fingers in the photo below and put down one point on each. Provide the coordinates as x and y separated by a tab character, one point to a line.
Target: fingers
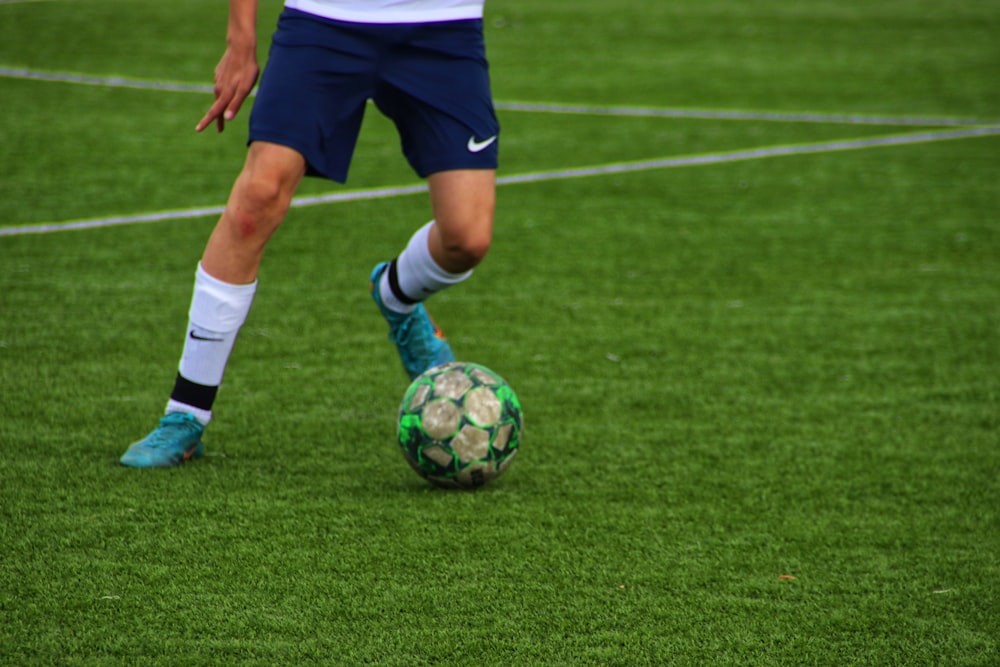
235	104
235	79
224	109
214	114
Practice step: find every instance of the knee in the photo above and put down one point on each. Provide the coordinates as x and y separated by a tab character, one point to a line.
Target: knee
266	192
258	205
463	203
466	249
264	189
474	247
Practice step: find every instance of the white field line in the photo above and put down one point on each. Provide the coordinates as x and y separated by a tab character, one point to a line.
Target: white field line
709	114
535	177
533	107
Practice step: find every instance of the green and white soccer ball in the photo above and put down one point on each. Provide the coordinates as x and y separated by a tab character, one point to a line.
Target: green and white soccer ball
459	425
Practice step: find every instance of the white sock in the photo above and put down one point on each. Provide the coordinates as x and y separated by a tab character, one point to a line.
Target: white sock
204	416
417	275
218	310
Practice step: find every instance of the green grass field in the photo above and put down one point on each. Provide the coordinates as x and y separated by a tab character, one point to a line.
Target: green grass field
759	368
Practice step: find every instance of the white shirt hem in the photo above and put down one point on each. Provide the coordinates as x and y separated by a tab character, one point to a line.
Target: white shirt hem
386	15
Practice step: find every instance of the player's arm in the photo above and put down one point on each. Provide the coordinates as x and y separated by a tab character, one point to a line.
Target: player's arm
237	72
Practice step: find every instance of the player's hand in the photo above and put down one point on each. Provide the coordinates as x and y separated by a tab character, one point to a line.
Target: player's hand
235	77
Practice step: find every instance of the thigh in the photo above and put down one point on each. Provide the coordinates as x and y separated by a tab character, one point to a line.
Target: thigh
435	86
313	91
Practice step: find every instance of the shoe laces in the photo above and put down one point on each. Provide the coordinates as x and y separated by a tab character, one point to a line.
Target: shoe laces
166	434
401	332
407	333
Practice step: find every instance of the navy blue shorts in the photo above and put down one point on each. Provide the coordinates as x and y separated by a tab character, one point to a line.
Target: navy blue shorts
430	79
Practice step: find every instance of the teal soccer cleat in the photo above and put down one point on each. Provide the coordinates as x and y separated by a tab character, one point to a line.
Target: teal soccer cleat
177	439
420	342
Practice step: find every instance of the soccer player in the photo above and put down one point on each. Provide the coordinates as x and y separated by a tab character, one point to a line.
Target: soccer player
423	64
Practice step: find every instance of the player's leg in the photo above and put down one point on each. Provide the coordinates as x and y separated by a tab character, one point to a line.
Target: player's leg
308	109
226	279
225	284
438	95
443	252
439	255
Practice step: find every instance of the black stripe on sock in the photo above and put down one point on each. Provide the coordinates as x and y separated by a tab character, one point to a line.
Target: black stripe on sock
191	393
394	285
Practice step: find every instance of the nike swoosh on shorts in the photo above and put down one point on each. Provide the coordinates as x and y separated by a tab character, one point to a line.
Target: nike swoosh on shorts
478	146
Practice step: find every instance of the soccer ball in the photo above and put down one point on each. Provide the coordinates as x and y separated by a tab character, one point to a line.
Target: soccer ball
459	425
